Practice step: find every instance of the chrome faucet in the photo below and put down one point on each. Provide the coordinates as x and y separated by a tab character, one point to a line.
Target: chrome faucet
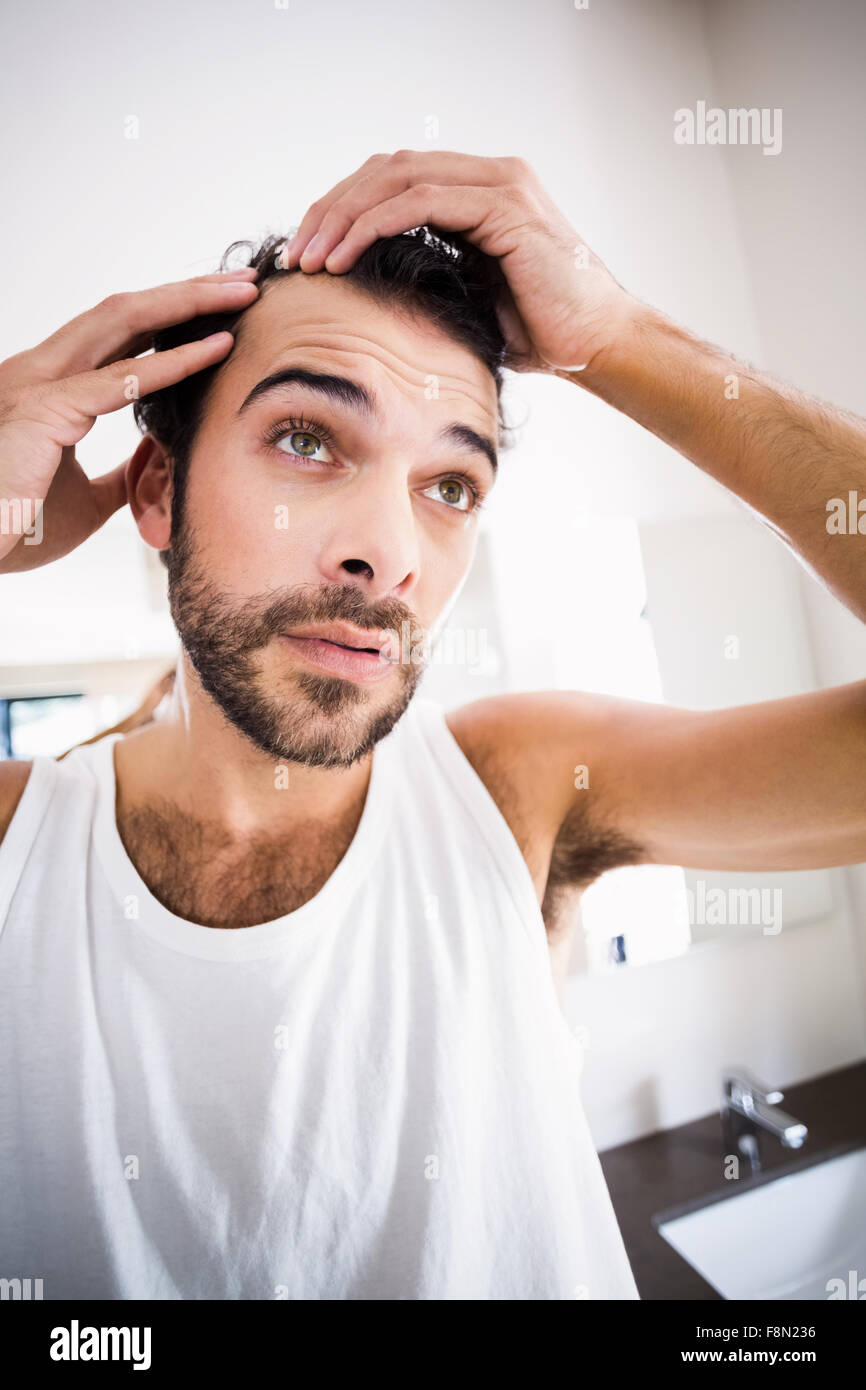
747	1109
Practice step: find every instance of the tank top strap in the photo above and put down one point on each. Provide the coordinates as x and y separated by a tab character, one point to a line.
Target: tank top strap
465	781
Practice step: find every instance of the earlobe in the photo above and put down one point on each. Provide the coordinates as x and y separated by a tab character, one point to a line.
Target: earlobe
148	484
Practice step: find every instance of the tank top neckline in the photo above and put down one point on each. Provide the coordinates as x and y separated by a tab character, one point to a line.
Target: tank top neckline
143	911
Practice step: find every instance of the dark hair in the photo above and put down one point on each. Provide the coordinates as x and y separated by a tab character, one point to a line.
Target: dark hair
437	274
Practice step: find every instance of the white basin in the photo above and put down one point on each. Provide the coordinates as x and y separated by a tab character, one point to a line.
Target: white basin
785	1238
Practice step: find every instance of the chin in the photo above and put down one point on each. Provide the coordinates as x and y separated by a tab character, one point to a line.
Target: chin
324	721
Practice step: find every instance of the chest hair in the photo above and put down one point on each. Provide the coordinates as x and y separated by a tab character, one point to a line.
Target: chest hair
201	873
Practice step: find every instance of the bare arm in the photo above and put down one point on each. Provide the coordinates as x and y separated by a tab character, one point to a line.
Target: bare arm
780	784
775	785
785	454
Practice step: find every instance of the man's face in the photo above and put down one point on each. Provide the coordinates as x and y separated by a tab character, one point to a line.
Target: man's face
305	507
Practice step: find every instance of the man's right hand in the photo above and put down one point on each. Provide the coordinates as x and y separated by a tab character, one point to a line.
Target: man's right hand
50	396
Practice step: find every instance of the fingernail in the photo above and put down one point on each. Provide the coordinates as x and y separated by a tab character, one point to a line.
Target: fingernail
334	253
310	248
289	247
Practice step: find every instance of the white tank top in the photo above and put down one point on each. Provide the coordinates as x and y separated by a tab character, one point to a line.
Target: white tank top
375	1096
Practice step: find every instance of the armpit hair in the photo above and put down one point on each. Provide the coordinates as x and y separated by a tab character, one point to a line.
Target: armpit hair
584	849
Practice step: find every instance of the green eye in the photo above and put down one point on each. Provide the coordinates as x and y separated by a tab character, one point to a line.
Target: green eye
305	439
455	488
308	445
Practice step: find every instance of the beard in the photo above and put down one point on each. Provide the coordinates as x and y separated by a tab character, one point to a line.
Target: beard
307	717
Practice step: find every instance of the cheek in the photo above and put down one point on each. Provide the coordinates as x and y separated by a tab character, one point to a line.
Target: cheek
446	585
251	536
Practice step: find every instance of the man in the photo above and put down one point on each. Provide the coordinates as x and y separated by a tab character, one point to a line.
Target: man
279	1012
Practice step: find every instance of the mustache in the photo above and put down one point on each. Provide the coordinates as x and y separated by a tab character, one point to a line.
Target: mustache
227	623
310	604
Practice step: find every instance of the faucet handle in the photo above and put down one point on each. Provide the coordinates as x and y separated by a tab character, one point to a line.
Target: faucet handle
745	1082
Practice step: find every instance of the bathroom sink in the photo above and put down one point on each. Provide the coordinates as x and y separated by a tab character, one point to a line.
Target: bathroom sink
783	1237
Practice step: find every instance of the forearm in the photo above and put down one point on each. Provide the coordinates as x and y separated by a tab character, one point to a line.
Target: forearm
785	454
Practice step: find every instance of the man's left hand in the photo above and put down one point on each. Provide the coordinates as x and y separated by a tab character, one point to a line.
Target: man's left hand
558	305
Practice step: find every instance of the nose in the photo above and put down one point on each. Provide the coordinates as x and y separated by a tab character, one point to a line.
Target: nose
372	535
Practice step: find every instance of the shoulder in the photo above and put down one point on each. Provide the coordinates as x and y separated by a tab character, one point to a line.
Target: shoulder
540	739
552	762
13	780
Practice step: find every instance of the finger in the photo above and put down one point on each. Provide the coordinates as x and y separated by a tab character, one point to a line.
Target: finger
76	401
240	272
452	209
316	211
101	334
330	217
217	277
109	492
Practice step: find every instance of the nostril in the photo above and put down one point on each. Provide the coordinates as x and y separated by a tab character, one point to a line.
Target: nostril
358	567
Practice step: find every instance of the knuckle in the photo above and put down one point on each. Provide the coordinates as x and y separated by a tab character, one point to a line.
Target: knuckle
512	194
518	167
17	400
15	369
402	156
118	372
363	221
518	196
116	303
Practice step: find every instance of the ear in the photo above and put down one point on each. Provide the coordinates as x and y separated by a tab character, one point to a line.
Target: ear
148	487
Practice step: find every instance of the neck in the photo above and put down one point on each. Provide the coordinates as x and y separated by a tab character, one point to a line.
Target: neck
195	760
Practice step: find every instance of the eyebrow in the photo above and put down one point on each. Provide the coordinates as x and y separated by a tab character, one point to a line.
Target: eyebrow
342	390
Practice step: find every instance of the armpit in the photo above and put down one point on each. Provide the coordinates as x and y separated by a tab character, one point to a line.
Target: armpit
583	849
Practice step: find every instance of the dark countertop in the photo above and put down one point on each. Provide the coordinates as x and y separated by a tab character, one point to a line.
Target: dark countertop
676	1168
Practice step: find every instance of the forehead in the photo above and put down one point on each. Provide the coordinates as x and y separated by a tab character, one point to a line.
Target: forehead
322	320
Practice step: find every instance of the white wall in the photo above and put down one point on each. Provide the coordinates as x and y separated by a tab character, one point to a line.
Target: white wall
803	222
248	112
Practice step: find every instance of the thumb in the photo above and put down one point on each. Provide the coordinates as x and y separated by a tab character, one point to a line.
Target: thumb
109	492
519	347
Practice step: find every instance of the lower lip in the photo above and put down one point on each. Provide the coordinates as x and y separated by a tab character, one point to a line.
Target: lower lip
357	665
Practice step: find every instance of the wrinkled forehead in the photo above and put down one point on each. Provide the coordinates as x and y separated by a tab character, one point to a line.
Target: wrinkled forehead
324	321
